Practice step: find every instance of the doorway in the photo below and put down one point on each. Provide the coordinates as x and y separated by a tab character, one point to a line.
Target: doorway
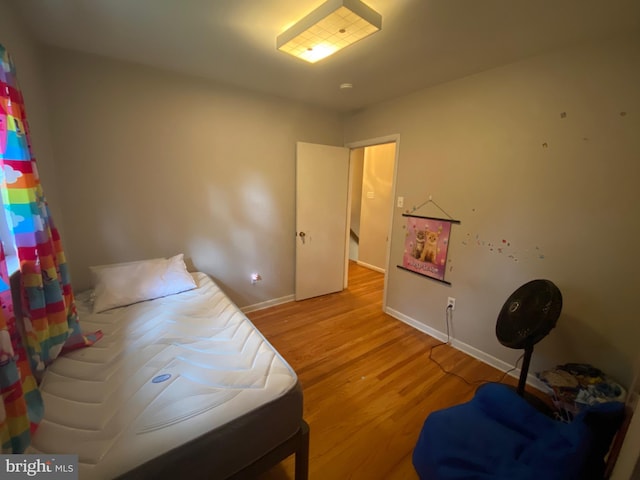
372	177
316	186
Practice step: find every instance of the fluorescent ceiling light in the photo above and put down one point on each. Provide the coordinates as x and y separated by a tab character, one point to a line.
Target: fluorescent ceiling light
334	25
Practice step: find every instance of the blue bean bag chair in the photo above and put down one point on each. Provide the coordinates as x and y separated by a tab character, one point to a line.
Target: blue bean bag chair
499	435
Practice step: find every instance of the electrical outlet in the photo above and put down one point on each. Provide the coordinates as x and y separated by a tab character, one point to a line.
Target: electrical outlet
451	302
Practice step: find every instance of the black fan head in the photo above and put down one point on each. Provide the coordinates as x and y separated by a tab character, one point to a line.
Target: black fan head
529	314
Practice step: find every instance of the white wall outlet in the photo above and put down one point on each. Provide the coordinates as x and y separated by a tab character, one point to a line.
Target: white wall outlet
451	302
255	277
400	202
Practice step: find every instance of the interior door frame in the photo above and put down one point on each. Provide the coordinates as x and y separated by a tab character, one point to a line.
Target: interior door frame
393	138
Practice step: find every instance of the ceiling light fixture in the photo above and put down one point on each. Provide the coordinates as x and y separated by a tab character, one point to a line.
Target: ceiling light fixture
334	25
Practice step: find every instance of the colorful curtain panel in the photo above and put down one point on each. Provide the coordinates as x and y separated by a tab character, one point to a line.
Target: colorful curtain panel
48	311
21	407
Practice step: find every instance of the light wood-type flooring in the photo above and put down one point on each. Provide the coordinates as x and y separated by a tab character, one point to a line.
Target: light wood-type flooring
367	379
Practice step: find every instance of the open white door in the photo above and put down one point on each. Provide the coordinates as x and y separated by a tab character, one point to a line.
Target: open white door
322	177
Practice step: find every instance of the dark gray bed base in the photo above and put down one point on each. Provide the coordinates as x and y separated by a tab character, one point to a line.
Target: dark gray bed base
180	465
298	445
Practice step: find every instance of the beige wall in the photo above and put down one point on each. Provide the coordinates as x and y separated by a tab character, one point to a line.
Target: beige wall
155	163
26	57
377	179
539	195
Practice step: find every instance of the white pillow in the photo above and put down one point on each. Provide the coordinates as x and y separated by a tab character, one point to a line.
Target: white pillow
126	283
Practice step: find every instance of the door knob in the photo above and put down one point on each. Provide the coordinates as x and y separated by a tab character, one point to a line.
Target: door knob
302	236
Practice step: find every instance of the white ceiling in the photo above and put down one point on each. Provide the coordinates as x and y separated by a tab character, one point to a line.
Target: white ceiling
422	42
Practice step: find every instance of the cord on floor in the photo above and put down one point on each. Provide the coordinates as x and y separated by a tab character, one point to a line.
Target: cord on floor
448	315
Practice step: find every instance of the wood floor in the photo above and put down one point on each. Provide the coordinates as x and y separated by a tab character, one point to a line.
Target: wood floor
367	379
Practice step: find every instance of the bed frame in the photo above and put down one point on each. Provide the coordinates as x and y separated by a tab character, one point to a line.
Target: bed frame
298	445
195	465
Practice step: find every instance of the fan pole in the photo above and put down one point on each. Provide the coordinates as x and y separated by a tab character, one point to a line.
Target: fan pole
528	352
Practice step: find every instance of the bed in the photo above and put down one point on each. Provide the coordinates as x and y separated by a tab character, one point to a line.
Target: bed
181	386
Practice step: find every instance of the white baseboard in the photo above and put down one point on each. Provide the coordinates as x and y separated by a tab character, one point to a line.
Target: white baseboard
269	303
468	349
370	267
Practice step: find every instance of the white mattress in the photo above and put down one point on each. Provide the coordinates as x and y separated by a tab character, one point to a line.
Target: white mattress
168	372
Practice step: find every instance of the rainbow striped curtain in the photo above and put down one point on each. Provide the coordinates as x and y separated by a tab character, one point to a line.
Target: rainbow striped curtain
21	407
49	320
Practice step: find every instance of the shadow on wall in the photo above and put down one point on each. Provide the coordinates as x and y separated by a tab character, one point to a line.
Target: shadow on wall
572	336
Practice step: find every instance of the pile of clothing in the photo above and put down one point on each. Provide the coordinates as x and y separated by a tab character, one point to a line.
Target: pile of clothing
575	386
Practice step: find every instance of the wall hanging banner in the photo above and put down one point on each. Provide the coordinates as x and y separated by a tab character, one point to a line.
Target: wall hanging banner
426	246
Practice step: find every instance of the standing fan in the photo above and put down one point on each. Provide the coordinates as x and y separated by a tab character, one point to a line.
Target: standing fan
527	317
